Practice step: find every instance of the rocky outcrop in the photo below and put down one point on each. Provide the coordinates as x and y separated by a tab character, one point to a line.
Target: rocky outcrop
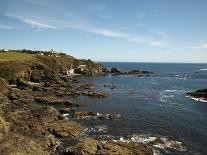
46	67
137	73
116	70
199	95
92	146
94	115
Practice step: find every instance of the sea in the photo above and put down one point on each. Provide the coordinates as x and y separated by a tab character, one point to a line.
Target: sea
154	106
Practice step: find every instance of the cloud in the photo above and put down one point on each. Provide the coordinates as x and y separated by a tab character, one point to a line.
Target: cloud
33	23
5	27
202	46
158	43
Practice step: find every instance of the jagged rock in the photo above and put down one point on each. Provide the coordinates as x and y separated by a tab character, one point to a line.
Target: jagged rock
87	86
94	115
199	95
116	70
65	128
22	84
67	110
92	146
94	94
37	88
111	86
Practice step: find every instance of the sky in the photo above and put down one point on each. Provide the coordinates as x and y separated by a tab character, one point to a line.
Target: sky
108	30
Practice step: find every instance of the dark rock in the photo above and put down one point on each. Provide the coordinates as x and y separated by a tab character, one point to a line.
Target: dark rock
111	86
66	110
199	94
37	88
94	94
22	84
116	70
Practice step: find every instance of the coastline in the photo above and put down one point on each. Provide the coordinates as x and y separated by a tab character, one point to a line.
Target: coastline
39	108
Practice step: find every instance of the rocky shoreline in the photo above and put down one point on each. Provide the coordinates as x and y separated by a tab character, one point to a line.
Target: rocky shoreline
35	118
30	89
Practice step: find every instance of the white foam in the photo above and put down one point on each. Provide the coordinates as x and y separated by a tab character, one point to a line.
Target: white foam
201	99
166	143
65	115
203	69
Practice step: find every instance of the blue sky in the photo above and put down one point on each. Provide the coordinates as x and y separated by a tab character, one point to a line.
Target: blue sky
108	30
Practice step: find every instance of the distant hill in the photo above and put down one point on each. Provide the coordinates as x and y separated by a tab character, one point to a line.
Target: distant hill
40	66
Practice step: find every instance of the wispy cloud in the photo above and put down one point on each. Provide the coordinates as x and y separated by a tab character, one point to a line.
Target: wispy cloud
32	23
202	46
158	43
5	27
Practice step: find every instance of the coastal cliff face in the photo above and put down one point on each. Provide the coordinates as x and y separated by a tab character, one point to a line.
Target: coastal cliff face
43	66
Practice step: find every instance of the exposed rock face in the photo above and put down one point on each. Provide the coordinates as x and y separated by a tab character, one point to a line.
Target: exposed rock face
4	87
91	146
199	95
94	94
116	70
87	86
46	67
138	73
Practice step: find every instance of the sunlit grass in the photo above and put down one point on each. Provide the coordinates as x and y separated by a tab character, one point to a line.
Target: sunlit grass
13	56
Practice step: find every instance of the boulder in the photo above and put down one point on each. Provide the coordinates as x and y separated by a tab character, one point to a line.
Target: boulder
116	70
199	94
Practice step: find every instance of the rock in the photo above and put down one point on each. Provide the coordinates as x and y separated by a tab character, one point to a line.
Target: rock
4	87
36	75
111	86
71	104
4	128
92	146
37	88
94	94
49	100
22	84
199	95
65	128
87	86
67	110
94	115
157	141
116	70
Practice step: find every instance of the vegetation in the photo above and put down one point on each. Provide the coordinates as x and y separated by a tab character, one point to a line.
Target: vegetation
13	56
39	65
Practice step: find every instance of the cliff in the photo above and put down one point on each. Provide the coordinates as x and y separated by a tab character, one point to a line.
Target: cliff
37	66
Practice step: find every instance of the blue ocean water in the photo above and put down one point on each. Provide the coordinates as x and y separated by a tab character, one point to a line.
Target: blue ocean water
154	105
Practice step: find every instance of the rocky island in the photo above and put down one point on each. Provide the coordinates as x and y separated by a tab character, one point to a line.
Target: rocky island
199	95
32	84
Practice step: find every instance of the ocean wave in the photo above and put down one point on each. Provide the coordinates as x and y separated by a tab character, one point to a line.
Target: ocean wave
203	69
174	91
160	142
167	95
155	142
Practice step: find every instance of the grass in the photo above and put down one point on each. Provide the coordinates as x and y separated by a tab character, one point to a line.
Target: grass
13	56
